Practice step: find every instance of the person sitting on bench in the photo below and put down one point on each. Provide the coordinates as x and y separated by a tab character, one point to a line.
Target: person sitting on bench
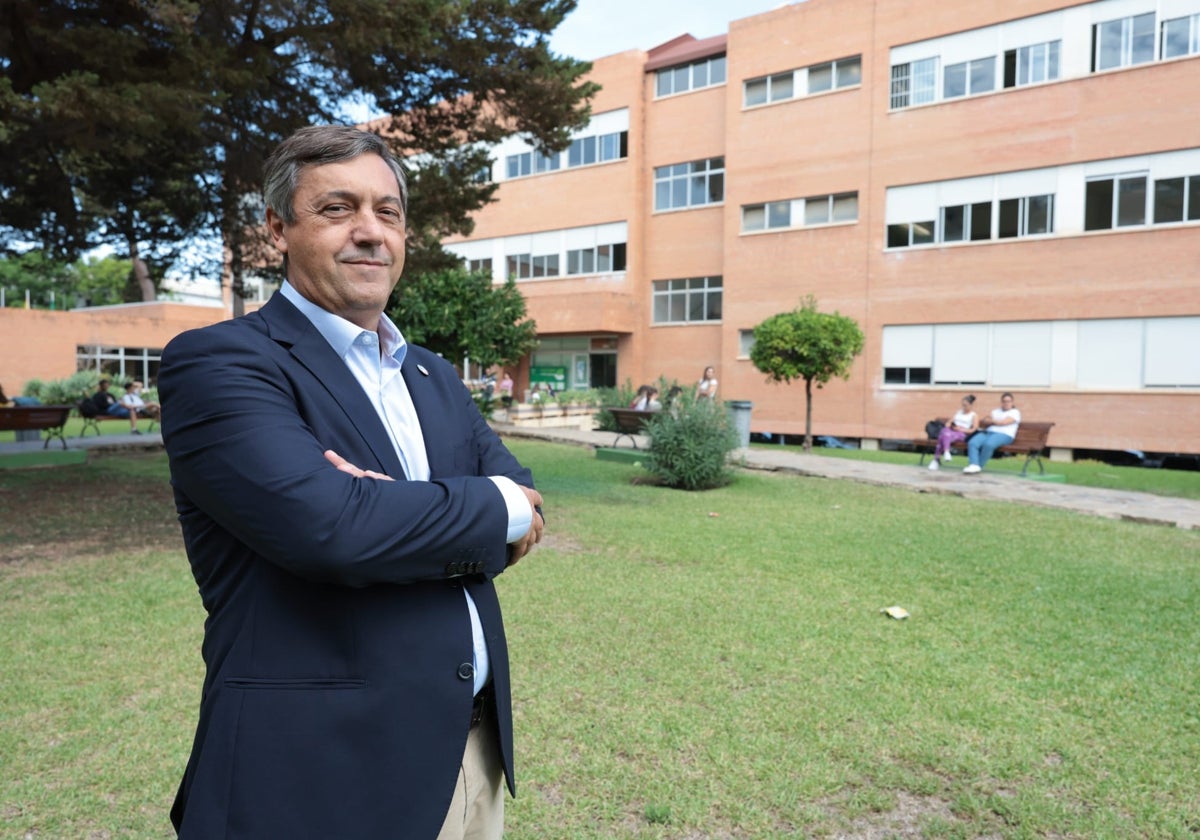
995	431
136	405
106	403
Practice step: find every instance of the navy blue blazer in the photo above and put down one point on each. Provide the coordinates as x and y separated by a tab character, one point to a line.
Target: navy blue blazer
338	688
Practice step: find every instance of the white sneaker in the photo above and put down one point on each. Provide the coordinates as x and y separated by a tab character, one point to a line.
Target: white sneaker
972	468
933	465
947	458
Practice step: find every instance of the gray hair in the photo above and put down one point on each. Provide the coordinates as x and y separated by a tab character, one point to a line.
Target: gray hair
318	145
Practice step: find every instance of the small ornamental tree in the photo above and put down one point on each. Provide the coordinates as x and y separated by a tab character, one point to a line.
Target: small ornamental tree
809	345
459	313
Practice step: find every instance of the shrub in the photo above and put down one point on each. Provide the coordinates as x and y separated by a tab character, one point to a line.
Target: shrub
690	445
613	397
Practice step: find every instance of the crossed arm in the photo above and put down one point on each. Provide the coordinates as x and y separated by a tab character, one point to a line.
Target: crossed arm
519	548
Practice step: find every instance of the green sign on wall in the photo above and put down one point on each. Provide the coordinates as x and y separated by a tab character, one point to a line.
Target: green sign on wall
553	375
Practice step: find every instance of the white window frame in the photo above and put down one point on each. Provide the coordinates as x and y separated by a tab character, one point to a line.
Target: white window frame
969	79
908	74
1193	46
1115	215
1126	47
695	173
695	292
713	66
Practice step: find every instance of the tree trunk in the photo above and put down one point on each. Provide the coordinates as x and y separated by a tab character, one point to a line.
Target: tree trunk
141	273
808	415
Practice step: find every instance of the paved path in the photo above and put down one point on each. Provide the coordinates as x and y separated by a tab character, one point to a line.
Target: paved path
1112	504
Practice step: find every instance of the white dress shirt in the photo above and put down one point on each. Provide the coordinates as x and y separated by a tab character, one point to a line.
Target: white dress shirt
378	371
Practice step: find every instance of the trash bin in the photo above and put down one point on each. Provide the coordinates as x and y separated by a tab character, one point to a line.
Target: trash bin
738	412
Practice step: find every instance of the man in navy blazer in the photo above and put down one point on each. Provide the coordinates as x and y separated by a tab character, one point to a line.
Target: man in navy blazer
345	509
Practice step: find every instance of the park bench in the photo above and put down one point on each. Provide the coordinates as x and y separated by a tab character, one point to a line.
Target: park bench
92	420
629	422
1030	441
47	418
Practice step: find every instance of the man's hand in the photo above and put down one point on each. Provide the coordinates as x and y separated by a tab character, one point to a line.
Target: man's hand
534	535
346	467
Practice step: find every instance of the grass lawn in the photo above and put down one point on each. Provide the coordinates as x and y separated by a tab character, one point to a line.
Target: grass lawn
710	665
1182	483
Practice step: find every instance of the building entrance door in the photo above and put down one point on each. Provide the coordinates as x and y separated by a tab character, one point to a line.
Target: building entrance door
603	370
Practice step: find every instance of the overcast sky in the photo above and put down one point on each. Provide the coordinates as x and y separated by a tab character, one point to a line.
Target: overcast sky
602	27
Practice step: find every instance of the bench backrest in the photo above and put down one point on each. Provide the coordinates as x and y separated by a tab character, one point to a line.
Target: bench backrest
630	419
34	417
1032	434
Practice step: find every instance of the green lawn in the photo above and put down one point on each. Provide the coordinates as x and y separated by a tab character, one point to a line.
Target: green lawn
710	665
1183	483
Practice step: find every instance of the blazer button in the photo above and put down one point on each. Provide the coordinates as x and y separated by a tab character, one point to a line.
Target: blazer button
466	671
452	569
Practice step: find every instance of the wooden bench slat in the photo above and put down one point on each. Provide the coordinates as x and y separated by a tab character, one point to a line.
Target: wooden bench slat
47	418
629	422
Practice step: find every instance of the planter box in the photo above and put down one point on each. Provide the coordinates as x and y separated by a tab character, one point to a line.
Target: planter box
552	416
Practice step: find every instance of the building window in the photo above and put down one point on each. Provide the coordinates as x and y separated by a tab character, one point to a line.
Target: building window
614	146
844	72
1031	65
969	78
686	301
481	266
914	83
1177	199
824	209
1181	36
835	74
745	343
597	260
526	266
907	234
584	151
684	77
1123	42
967	222
120	363
527	163
1026	216
689	184
769	89
1118	201
907	376
818	210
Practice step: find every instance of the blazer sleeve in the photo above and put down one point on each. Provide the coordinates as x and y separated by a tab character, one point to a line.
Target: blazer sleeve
246	426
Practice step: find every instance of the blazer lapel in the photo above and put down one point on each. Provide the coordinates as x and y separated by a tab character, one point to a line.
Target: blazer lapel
289	327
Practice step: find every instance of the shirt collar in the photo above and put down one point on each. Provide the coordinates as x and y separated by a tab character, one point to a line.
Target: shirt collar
339	332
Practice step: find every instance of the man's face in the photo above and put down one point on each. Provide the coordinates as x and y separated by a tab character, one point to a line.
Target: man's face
346	248
1006	403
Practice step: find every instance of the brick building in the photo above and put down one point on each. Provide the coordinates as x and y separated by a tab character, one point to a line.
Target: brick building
1004	195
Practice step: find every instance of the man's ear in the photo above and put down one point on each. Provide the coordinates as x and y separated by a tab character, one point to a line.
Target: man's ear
275	225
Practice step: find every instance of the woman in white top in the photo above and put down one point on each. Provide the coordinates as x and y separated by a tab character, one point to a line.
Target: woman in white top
959	428
706	388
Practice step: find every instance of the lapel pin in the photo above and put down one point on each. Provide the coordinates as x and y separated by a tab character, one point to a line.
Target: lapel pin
422	369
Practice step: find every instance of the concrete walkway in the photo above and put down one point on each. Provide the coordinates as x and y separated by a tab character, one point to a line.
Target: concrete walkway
1006	487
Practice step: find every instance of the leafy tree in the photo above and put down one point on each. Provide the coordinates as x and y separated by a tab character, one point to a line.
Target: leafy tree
143	122
91	281
100	128
458	313
809	345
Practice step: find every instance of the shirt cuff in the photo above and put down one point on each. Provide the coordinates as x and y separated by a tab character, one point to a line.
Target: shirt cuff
520	513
